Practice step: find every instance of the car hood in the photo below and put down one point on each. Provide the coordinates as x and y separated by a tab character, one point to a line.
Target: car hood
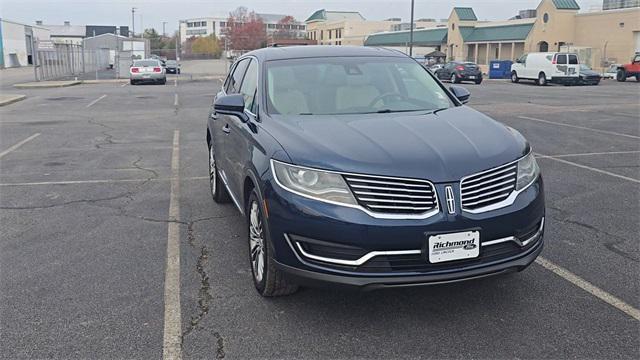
589	73
440	147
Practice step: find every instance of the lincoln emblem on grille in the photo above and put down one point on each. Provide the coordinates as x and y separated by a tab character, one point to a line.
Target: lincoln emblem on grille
451	205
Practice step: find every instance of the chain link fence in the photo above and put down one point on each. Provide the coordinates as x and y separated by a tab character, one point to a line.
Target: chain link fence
55	61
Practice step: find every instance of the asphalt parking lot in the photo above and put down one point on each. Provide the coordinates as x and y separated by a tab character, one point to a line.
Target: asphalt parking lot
97	180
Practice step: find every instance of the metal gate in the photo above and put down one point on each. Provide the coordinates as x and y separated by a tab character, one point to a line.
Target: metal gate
56	61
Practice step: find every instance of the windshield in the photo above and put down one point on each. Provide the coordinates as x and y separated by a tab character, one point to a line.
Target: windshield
351	85
146	63
171	62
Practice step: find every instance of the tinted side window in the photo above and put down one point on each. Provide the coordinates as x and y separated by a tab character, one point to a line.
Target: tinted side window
561	59
573	60
233	87
249	85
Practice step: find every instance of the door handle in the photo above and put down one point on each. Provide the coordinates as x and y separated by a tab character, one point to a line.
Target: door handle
226	129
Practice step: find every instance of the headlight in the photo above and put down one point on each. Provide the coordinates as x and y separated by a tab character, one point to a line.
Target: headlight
315	184
528	171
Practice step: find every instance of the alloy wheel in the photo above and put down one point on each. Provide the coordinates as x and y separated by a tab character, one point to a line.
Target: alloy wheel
256	242
453	78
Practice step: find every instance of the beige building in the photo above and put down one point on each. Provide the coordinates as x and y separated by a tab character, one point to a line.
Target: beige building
600	38
348	27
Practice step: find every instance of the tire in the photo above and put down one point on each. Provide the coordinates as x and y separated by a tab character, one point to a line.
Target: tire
514	77
621	75
163	81
478	81
542	79
454	79
178	71
637	77
218	192
132	82
269	280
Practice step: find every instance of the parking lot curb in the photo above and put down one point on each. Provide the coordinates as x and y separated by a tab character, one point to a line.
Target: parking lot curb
46	84
6	99
105	81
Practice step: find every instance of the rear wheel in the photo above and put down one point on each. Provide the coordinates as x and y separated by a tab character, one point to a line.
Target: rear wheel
638	77
269	281
132	82
514	77
163	81
542	79
621	75
479	81
218	192
454	79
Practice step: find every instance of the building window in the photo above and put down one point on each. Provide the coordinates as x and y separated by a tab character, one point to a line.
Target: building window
621	25
321	34
223	24
453	27
545	18
330	31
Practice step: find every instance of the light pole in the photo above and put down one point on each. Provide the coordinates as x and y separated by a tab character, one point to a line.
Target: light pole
411	31
164	33
133	22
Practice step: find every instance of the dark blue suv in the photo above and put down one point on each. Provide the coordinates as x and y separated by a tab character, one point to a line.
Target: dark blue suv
356	166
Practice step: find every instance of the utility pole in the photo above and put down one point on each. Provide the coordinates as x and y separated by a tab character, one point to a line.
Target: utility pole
411	31
164	33
133	22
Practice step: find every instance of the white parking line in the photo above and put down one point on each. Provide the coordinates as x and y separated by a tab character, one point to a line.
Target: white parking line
172	340
540	156
594	153
123	85
96	100
579	127
98	181
175	81
175	101
14	147
590	288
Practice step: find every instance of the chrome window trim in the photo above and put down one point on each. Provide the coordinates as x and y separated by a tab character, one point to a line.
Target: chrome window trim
504	203
376	215
370	255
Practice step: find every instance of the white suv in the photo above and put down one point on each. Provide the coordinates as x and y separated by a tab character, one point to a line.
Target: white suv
555	67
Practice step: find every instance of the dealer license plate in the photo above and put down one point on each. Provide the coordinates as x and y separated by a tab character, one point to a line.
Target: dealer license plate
472	77
454	246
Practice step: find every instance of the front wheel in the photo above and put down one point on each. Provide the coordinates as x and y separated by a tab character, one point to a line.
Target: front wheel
479	81
621	75
514	77
218	193
269	281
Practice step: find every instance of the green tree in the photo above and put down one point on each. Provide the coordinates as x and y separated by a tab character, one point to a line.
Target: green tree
207	45
155	40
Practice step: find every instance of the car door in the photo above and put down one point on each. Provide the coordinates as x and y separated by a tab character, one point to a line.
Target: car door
525	71
241	132
445	71
634	67
221	123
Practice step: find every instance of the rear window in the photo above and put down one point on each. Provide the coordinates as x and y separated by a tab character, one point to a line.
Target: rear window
171	62
561	59
573	59
146	63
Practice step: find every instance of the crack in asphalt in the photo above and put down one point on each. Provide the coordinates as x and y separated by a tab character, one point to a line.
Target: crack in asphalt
204	296
219	345
108	138
611	245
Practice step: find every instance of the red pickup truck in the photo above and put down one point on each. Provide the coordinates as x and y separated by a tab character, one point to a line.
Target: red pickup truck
629	70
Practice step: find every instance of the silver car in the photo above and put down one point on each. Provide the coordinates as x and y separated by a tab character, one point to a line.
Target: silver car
148	70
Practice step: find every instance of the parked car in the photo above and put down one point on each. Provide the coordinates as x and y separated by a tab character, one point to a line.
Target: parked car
355	166
611	72
172	67
588	76
544	68
148	70
458	72
629	70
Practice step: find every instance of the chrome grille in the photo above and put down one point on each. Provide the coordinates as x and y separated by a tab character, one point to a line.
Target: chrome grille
392	195
488	187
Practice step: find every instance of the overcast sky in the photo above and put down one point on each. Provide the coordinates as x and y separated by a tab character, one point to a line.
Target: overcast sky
154	12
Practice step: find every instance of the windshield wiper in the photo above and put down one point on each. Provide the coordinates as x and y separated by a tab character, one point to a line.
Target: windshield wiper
386	111
437	110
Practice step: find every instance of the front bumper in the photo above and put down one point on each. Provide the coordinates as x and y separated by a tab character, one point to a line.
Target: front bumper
147	76
565	80
343	232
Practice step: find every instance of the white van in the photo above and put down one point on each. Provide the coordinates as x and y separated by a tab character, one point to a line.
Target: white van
555	67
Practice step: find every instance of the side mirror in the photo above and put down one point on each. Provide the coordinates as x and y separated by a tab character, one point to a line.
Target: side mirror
519	61
461	93
231	105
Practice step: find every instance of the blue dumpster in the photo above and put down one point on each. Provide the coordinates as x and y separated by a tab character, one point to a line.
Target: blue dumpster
500	69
